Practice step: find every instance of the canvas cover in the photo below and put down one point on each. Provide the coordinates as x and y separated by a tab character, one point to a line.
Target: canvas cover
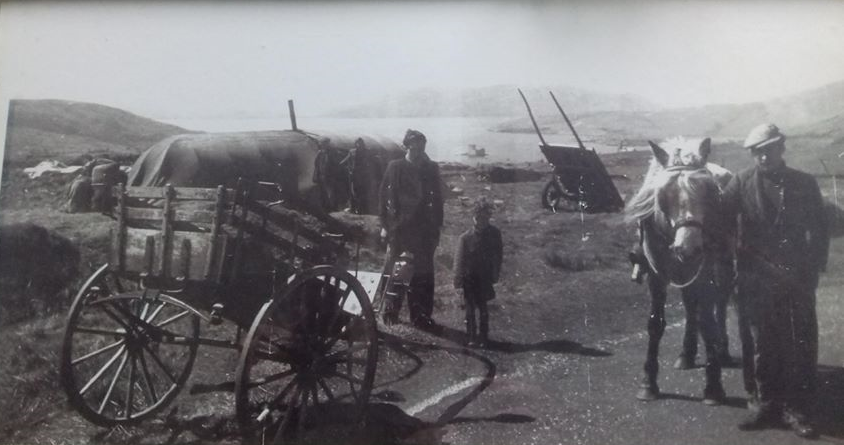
286	157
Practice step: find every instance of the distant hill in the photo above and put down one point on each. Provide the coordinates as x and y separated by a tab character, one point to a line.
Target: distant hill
819	110
68	131
499	100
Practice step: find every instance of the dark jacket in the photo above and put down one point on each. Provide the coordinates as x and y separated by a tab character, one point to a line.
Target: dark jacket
785	239
477	260
411	203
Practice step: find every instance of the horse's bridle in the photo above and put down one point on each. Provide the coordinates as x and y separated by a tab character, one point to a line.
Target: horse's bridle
673	227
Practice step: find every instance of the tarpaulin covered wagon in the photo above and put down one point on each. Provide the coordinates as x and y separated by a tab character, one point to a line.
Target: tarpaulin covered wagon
317	171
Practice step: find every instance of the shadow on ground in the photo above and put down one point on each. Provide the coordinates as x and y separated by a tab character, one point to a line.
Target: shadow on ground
552	346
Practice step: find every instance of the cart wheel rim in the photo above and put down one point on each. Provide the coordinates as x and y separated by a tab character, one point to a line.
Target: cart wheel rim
310	354
125	354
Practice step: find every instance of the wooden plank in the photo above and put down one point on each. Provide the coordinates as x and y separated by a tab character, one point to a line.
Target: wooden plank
120	245
190	262
180	193
194	216
166	234
285	222
272	239
145	192
196	194
216	222
149	214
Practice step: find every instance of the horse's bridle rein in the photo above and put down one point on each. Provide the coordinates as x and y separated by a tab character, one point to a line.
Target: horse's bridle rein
673	226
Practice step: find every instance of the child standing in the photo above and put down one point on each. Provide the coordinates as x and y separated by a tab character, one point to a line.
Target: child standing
477	263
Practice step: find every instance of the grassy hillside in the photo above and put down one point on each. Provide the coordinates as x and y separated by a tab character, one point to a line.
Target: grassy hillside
64	130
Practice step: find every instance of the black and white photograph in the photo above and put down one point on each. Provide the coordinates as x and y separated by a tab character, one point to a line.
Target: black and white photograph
422	222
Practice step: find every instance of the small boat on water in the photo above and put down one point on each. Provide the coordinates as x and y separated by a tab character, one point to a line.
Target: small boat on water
475	152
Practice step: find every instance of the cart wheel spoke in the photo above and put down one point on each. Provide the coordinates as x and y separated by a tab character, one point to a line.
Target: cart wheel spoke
113	382
99	331
117	367
283	430
130	390
174	318
97	352
102	370
302	414
304	326
147	378
271	378
328	393
160	363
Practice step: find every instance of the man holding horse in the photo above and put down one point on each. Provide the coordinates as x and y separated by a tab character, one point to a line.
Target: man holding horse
782	247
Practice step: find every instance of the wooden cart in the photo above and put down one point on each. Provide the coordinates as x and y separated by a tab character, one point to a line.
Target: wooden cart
579	180
184	257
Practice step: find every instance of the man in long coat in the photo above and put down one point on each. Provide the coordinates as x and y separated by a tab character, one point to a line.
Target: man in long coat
411	212
782	247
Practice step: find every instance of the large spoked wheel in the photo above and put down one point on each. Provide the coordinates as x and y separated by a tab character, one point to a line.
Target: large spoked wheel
126	352
310	354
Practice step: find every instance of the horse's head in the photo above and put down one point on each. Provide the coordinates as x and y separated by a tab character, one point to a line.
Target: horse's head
678	200
685	195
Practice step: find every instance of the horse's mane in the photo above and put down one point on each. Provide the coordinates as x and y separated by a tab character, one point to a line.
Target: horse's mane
641	205
694	181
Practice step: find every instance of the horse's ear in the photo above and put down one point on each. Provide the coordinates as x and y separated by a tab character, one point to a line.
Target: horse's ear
660	155
705	149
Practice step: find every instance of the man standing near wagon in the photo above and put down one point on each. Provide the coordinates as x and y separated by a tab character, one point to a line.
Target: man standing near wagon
783	245
411	213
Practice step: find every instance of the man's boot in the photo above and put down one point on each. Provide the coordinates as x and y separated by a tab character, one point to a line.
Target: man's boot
762	415
471	332
799	423
713	393
483	341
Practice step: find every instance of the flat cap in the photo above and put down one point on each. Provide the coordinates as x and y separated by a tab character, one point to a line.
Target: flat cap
414	136
762	135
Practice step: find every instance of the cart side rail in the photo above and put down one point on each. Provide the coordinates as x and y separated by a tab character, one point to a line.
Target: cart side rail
171	234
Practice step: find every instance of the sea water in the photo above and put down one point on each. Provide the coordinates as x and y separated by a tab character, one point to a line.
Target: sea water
448	137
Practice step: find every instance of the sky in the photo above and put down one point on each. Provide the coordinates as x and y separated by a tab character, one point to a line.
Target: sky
196	59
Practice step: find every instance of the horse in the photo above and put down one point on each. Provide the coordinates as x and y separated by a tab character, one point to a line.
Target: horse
724	271
683	240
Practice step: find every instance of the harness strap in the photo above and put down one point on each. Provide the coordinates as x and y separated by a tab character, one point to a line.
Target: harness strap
688	223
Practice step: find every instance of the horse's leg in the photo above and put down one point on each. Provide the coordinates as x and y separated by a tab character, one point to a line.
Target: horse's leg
649	390
707	296
721	320
725	280
686	360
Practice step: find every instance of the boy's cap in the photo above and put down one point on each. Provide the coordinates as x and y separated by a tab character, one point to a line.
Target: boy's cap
482	205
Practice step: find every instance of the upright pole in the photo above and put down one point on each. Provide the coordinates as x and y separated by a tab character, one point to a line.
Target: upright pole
530	113
834	182
292	115
571	127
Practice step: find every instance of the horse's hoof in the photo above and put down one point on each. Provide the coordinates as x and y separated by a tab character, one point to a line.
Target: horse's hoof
648	394
728	361
714	397
683	363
